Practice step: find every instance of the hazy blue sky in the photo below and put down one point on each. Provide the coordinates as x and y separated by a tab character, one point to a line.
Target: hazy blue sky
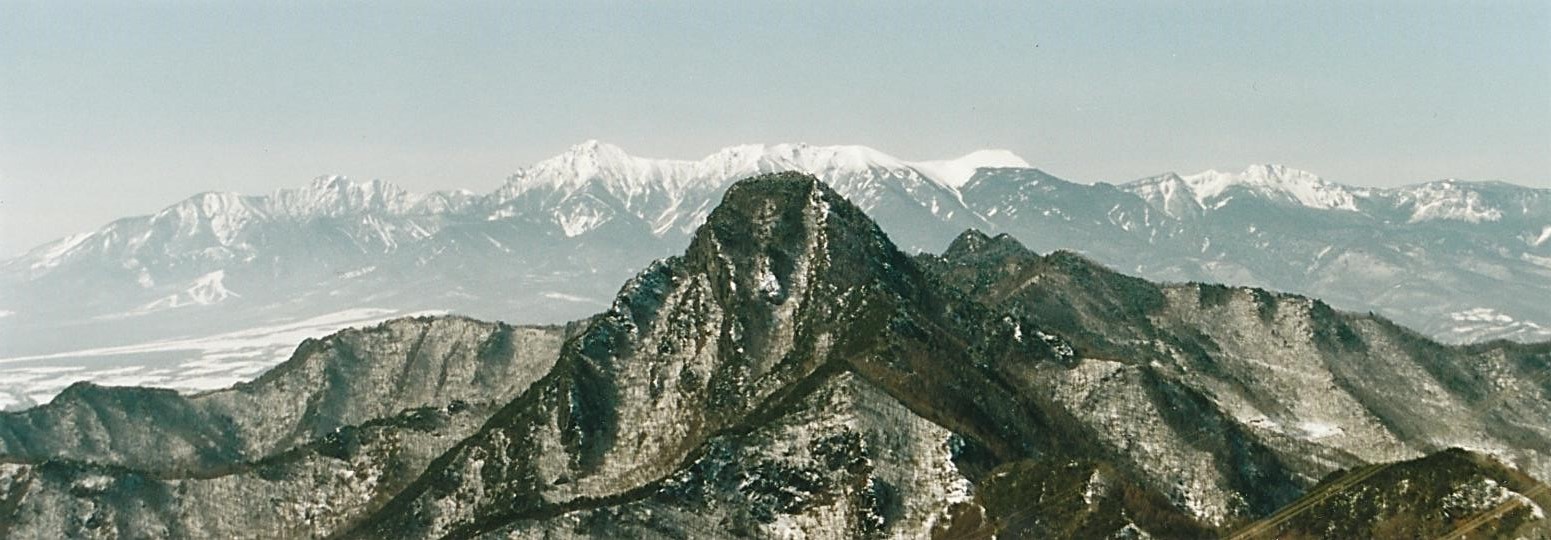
119	108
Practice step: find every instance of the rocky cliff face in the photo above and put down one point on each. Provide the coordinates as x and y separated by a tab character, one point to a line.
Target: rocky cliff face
794	374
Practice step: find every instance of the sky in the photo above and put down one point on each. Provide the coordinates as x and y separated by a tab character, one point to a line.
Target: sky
112	109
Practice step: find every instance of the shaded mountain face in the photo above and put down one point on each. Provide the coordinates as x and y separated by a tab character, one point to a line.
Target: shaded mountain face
218	287
794	373
1449	494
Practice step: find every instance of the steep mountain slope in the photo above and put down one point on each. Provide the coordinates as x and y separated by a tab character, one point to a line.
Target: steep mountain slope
795	373
1450	494
347	379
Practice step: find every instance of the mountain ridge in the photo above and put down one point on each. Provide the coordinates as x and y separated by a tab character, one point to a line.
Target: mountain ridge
794	371
1458	261
331	195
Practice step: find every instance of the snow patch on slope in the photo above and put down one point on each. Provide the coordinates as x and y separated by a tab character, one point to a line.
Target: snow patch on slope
1482	323
1536	260
1545	234
580	220
1448	200
552	295
358	272
1481	315
51	254
206	290
1315	430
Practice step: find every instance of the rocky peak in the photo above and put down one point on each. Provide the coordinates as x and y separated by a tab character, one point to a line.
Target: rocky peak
973	243
970	241
587	159
1168	193
774	231
786	285
335	195
783	258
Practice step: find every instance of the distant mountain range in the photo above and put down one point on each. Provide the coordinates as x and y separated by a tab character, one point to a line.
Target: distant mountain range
215	288
792	373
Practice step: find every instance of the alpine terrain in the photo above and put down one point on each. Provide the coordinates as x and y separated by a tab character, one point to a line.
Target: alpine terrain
217	288
798	373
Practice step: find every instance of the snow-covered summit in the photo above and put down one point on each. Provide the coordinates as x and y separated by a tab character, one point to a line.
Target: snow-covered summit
630	175
592	160
1211	189
957	172
816	160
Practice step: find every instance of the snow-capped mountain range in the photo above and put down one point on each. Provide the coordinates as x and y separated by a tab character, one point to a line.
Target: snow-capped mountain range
1463	261
792	373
